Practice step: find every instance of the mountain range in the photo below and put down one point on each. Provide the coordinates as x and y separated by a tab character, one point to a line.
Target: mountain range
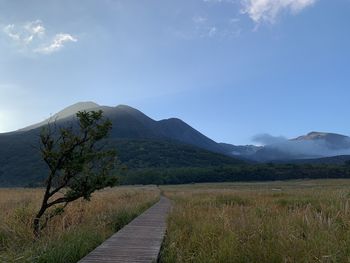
130	123
142	142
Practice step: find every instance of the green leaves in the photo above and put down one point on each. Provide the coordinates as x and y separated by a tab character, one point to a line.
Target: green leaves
78	162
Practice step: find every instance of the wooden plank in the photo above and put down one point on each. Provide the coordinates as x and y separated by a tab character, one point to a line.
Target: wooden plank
139	241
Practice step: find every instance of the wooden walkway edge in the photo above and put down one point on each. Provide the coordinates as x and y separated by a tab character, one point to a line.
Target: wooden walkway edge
139	241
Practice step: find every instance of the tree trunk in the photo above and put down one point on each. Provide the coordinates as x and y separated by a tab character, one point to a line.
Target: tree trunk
36	227
36	222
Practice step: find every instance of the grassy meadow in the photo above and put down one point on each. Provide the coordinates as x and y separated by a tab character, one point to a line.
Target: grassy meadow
294	221
291	221
70	236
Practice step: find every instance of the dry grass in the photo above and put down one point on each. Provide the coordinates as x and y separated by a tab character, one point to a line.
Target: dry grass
300	221
70	236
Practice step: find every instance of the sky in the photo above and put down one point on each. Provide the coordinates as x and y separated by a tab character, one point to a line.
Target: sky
232	69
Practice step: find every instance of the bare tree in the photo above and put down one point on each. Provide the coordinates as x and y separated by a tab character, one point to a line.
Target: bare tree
78	163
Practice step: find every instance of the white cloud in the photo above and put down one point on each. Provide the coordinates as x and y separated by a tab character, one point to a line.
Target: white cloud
35	28
25	33
32	37
9	30
268	10
56	44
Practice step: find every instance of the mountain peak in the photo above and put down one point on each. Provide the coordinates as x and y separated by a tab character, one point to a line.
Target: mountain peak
125	107
314	135
66	112
73	109
79	106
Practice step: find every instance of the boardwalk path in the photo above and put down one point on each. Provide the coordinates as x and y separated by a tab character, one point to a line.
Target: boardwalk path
139	241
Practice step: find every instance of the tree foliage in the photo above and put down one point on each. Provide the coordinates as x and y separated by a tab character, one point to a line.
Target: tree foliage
78	163
234	173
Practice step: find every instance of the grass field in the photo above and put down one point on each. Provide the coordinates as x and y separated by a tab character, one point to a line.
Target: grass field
70	236
294	221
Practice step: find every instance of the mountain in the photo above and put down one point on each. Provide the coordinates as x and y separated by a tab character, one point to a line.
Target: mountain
131	123
332	140
314	145
141	142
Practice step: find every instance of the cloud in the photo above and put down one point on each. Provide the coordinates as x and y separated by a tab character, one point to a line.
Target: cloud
32	37
25	33
36	29
310	148
56	44
268	10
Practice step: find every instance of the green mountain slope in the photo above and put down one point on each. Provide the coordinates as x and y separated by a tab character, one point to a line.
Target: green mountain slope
141	142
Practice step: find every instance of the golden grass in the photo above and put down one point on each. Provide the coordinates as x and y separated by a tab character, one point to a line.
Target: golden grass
70	236
295	221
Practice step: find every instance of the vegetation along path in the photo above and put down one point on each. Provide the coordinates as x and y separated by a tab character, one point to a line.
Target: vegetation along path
139	241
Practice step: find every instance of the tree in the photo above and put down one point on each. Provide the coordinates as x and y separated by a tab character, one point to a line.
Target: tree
78	163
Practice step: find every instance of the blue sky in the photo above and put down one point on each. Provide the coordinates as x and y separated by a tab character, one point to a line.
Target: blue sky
230	68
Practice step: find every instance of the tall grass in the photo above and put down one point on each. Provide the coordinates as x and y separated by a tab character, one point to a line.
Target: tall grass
68	237
302	221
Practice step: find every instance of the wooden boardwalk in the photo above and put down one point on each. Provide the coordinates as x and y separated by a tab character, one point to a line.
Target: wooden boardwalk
139	241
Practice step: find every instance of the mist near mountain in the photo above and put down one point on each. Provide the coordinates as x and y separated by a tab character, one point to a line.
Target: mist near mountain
312	145
268	139
245	151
